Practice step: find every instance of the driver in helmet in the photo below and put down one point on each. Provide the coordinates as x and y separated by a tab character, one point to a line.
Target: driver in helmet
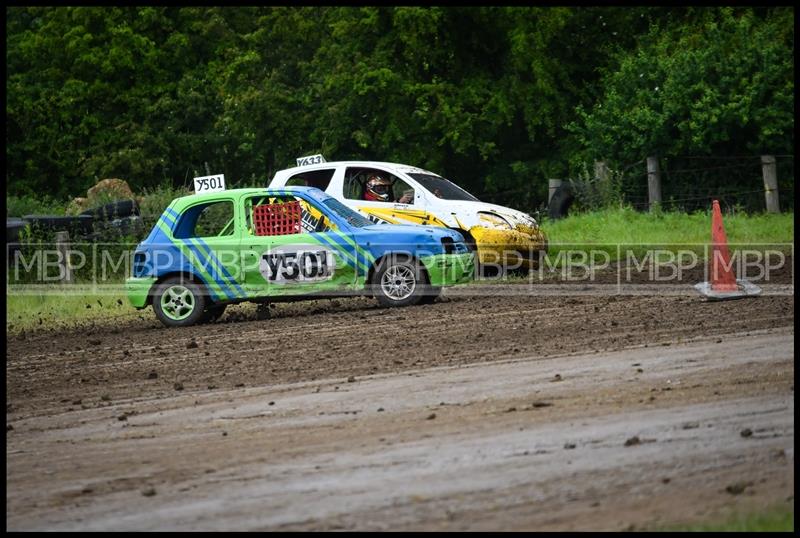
379	189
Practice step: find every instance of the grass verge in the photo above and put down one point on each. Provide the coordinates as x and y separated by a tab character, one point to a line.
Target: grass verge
776	519
604	230
42	311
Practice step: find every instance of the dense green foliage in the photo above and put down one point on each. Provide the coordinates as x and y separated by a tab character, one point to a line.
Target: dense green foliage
497	99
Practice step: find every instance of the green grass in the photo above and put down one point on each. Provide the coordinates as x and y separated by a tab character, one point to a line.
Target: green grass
778	519
640	231
33	311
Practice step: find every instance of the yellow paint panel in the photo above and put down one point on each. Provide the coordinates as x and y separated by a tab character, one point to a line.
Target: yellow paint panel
313	216
397	216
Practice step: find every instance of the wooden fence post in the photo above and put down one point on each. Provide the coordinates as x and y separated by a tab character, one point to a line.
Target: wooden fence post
553	187
769	170
603	184
62	244
601	171
653	182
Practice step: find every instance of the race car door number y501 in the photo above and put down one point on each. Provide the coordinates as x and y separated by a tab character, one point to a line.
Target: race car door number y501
297	263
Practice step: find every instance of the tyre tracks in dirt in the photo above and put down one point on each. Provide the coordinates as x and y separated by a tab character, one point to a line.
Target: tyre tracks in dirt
572	440
48	372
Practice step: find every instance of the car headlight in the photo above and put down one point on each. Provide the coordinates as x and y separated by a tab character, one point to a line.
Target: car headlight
490	220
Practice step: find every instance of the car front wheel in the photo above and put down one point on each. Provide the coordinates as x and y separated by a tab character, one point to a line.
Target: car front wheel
399	281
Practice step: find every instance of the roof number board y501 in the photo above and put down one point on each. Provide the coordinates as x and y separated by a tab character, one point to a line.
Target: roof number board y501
209	183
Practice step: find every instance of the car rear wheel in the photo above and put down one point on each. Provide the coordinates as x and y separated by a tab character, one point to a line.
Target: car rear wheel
178	302
399	281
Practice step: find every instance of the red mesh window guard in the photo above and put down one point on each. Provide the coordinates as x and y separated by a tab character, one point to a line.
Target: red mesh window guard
277	219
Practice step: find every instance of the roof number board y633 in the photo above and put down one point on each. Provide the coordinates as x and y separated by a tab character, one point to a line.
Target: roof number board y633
311	159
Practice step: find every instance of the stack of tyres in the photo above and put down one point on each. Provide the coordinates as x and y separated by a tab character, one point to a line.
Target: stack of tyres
116	219
115	210
14	227
78	226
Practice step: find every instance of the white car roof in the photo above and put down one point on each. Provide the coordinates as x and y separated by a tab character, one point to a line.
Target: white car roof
402	167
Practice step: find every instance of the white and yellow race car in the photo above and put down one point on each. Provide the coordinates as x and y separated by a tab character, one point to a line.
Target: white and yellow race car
401	194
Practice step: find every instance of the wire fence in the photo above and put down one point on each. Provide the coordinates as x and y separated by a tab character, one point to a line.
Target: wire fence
688	183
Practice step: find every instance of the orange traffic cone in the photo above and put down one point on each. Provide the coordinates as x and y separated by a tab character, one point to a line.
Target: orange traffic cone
724	284
722	276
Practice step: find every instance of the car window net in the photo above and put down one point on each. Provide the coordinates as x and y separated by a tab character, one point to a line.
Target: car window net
277	219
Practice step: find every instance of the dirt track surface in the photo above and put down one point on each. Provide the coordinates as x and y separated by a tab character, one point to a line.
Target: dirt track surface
476	412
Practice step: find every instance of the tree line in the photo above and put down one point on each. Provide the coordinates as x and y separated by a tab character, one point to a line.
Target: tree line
498	99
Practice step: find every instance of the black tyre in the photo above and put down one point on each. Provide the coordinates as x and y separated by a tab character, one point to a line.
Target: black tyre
399	281
213	313
480	270
82	224
114	210
541	256
430	295
13	228
132	225
180	302
561	201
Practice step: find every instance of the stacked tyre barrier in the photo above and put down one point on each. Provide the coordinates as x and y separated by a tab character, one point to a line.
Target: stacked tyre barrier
560	202
105	223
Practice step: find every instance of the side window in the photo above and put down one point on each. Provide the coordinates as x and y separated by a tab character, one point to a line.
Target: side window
212	219
385	188
316	178
282	215
353	184
403	193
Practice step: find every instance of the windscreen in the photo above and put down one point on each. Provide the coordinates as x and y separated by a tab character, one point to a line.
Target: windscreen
442	188
353	218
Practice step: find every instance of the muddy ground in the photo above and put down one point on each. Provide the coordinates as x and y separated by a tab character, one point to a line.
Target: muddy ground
494	408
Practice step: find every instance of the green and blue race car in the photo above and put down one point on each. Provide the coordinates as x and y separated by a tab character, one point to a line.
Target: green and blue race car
265	245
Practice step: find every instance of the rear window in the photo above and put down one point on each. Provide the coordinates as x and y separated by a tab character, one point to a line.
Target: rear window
315	178
206	220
